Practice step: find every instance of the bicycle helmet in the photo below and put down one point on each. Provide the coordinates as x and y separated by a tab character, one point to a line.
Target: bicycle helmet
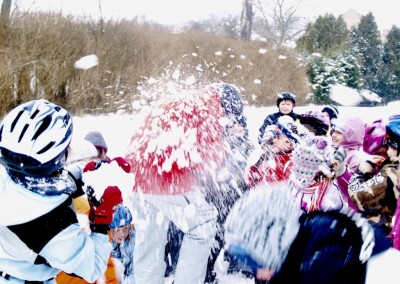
34	138
393	133
286	96
122	217
374	137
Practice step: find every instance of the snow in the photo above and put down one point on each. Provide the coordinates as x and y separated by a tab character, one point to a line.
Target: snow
87	62
117	130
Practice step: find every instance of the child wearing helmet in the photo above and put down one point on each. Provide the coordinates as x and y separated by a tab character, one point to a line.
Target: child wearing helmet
90	164
274	164
374	187
286	102
43	229
122	234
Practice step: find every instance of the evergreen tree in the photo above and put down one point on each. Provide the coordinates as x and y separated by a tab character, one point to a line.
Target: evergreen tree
327	36
390	79
342	68
368	43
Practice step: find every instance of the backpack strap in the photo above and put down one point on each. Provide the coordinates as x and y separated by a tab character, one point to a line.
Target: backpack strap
25	241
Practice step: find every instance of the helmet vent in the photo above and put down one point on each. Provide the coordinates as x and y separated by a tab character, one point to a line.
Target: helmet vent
45	124
47	147
23	132
34	114
16	120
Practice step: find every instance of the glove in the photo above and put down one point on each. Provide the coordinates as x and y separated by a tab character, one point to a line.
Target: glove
339	165
124	164
101	212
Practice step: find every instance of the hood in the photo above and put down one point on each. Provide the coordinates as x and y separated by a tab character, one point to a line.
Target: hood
20	205
353	129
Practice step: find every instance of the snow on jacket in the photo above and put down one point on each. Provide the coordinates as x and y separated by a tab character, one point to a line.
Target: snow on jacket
376	194
124	253
26	236
178	140
272	119
276	169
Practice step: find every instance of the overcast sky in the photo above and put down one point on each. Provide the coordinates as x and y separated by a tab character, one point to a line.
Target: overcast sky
181	11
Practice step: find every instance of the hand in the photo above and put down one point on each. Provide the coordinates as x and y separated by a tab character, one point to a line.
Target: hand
339	165
101	212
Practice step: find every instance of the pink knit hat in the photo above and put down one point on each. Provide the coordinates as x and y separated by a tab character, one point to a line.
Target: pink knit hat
311	156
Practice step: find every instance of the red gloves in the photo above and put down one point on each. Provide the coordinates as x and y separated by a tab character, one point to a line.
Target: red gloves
101	212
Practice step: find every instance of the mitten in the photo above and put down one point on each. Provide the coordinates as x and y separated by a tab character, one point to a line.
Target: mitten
101	212
124	164
94	165
338	161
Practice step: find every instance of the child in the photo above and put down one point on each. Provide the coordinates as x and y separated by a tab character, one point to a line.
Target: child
315	122
331	112
348	133
270	236
286	102
44	229
274	163
313	180
374	187
122	234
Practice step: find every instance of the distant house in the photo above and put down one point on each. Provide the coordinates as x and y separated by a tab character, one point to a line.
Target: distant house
352	18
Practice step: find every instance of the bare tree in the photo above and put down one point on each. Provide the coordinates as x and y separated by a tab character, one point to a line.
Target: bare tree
246	20
279	20
5	19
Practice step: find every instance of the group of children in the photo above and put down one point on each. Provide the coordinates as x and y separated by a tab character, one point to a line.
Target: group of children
332	167
319	201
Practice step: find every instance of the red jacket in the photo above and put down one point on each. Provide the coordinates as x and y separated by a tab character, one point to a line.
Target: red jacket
275	169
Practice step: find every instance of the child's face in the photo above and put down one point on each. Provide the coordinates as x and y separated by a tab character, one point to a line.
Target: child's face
120	234
337	138
392	152
282	144
286	106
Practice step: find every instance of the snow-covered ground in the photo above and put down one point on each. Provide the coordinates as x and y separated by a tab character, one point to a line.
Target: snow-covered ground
118	128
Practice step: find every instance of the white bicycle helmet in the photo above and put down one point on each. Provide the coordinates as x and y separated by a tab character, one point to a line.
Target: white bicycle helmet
34	138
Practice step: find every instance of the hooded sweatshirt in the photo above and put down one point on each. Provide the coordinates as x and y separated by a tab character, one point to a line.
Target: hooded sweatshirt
353	129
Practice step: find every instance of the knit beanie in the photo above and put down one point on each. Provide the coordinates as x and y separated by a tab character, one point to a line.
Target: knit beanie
332	111
309	158
97	140
317	121
231	100
262	225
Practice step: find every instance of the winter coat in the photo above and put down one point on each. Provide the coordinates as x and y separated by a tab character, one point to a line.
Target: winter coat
82	209
275	169
331	199
326	250
272	119
124	253
179	140
376	194
41	236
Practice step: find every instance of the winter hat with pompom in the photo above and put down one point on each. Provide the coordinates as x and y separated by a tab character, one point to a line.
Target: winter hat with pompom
311	156
257	231
332	111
